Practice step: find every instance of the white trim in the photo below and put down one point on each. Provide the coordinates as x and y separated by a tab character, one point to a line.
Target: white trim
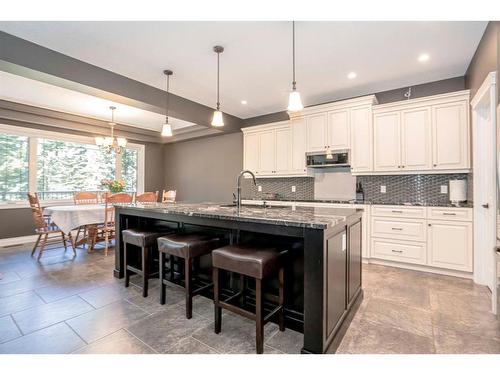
439	99
483	90
12	241
362	101
398	173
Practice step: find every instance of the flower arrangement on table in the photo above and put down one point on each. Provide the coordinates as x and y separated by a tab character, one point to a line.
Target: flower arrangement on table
114	186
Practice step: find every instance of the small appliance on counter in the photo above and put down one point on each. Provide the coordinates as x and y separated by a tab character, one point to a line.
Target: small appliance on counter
360	194
458	191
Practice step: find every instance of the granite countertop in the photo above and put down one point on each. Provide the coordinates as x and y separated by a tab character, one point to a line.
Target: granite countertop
305	217
368	202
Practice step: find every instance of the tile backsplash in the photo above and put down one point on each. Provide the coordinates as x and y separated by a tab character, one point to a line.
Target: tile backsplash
420	188
279	188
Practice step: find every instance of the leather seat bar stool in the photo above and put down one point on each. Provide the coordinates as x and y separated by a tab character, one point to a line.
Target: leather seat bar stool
188	246
147	241
258	263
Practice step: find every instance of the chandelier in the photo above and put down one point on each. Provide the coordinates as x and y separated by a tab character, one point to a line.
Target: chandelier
111	143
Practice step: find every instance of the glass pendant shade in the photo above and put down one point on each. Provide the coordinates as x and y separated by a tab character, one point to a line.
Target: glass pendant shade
122	142
217	119
108	141
294	102
166	130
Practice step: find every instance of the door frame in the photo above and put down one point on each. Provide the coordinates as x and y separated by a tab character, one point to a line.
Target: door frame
484	118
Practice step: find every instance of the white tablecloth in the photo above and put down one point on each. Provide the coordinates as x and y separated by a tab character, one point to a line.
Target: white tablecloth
74	216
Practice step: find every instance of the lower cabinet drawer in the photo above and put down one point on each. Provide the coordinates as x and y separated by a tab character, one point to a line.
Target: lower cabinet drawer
399	229
401	251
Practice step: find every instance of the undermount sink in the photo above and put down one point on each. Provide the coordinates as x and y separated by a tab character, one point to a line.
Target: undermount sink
231	205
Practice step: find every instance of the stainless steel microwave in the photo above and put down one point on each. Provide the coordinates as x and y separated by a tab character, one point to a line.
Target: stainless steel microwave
338	158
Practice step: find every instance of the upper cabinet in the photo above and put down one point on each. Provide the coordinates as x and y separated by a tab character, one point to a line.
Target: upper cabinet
423	135
426	134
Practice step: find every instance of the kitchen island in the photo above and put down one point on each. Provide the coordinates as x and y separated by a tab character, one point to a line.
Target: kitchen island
323	275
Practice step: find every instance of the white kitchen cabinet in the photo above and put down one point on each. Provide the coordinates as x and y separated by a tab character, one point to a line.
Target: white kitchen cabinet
386	141
298	144
267	146
450	133
361	139
450	245
416	145
316	132
283	144
251	149
337	132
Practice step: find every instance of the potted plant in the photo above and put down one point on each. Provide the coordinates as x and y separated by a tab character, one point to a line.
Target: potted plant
113	186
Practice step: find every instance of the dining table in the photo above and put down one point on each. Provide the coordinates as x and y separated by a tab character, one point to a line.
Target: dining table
70	217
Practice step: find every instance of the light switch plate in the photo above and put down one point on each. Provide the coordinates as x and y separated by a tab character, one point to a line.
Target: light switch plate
444	189
293	189
382	189
259	188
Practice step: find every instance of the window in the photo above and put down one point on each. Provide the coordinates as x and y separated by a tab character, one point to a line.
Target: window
56	165
66	167
14	152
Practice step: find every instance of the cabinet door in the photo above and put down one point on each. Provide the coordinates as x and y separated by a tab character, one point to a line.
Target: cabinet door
386	142
336	288
361	140
252	152
450	245
450	133
416	149
283	150
299	134
267	144
316	132
338	130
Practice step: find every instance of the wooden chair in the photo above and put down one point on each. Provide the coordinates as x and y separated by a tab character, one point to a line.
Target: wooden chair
148	197
45	228
106	231
81	198
168	196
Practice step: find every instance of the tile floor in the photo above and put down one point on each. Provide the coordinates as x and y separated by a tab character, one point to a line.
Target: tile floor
66	305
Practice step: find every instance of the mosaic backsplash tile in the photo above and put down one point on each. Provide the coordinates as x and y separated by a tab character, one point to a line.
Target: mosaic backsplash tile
420	189
279	188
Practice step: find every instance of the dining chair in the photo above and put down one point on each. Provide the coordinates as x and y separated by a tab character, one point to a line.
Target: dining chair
83	198
106	231
45	228
168	196
148	197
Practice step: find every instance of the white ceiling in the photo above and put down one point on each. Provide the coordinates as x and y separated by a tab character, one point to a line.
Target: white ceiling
256	65
27	91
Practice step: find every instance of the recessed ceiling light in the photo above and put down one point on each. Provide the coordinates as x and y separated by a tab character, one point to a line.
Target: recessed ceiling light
244	102
424	57
352	75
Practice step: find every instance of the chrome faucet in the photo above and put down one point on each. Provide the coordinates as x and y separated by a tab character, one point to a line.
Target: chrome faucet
238	189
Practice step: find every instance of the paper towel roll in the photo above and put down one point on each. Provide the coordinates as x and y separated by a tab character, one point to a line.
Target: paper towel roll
458	191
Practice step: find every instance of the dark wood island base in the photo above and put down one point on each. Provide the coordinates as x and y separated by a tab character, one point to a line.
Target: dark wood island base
323	291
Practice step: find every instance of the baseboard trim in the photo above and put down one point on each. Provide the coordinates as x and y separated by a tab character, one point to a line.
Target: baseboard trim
416	267
12	241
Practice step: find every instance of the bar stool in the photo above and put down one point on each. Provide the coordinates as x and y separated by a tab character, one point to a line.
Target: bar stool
147	241
187	246
249	261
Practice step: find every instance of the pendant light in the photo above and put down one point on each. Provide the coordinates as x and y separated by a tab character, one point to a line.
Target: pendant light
217	120
111	143
294	101
166	130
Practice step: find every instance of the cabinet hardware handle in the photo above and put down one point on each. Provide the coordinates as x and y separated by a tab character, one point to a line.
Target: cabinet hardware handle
435	165
449	213
397	251
397	228
486	205
399	166
397	211
430	225
402	166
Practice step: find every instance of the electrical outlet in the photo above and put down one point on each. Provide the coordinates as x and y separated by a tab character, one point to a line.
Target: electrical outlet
293	189
383	189
444	189
259	188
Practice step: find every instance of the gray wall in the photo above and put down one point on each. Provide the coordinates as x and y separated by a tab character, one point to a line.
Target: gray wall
18	222
486	58
204	169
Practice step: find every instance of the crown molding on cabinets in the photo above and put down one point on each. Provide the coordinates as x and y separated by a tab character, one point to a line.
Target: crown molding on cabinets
425	101
333	106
